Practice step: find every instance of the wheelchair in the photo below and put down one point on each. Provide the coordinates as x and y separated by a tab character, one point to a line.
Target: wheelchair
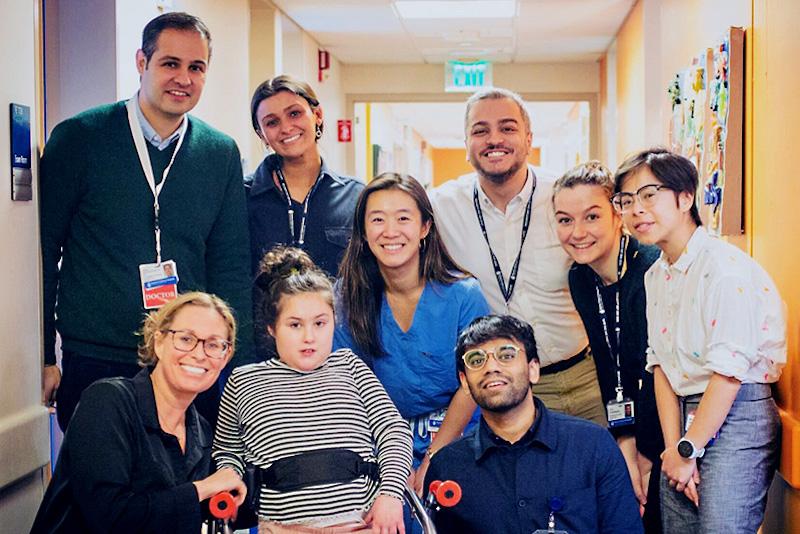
440	495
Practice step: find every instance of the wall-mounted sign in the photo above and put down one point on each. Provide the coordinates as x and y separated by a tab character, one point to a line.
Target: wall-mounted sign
467	76
21	180
344	129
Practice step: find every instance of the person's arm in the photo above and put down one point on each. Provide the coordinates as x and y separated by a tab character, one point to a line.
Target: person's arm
459	413
462	406
104	456
616	503
60	191
393	442
676	468
228	447
228	260
627	446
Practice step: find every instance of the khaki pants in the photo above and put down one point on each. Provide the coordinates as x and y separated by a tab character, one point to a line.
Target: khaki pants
574	391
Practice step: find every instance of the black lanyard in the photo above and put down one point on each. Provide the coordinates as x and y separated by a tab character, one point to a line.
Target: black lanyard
290	209
526	222
623	242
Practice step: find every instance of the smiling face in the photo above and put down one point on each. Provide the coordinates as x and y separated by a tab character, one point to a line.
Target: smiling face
586	224
500	387
664	222
497	140
172	81
394	229
303	331
288	125
189	373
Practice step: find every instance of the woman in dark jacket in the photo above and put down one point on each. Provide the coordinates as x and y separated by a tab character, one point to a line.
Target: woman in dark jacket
136	456
607	286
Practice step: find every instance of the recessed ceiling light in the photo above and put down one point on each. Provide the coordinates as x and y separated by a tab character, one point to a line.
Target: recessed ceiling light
461	9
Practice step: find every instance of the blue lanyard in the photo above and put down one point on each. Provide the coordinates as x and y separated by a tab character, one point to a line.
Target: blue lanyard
507	291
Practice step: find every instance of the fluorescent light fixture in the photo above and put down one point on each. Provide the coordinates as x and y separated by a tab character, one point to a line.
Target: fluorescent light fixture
460	9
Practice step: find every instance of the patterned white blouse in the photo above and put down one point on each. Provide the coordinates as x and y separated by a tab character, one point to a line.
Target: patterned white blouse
715	310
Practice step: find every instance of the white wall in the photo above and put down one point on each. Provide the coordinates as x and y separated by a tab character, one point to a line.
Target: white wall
24	445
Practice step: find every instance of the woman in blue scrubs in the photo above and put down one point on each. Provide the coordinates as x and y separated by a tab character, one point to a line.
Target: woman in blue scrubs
402	302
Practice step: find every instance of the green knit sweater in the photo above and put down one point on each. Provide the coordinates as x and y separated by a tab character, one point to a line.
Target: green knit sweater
97	219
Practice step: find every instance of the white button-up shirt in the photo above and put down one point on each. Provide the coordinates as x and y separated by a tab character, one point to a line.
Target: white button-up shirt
541	296
715	310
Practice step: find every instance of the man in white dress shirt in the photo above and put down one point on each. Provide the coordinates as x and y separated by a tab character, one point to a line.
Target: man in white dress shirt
498	224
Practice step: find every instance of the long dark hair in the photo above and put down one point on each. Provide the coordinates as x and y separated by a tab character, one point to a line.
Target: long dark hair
361	283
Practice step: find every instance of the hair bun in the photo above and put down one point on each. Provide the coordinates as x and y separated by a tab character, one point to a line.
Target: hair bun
283	262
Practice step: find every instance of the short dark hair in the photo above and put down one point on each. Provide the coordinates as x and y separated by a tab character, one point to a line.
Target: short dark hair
491	327
172	21
673	170
273	86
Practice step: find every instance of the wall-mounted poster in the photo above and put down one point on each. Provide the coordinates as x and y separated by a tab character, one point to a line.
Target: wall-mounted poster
707	126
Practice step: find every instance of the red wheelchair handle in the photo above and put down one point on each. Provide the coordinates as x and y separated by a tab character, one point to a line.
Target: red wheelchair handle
448	493
222	505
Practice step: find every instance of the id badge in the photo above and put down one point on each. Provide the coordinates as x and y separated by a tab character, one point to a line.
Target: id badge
159	283
620	413
689	411
435	420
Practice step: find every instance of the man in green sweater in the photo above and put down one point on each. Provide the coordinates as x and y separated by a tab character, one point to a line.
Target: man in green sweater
139	201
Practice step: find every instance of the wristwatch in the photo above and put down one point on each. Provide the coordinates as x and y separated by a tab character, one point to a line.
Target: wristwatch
687	450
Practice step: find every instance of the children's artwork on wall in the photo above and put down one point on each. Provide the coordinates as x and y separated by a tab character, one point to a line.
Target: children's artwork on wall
707	126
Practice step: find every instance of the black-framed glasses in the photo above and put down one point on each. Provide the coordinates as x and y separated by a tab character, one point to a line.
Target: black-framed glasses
214	347
623	202
475	359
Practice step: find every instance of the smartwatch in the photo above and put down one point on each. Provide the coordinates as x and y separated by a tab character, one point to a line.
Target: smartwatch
687	450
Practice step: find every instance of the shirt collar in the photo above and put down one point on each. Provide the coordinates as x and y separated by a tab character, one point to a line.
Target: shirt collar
693	248
541	433
150	133
521	197
146	401
262	179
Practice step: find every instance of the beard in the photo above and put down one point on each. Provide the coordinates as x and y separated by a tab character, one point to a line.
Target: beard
514	395
499	178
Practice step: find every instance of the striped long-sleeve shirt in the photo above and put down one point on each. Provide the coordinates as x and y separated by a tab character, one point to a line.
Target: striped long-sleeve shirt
270	411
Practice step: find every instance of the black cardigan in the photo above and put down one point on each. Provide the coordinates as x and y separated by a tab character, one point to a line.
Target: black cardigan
582	283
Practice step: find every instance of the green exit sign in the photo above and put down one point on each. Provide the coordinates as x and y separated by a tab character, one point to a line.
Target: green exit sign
467	76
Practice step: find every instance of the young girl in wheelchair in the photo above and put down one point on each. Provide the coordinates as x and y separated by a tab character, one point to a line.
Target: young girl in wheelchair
329	446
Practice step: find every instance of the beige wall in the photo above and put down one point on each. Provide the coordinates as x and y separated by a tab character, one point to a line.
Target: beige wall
429	79
24	441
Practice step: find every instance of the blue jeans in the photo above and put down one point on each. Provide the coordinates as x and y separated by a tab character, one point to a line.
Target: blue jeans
735	472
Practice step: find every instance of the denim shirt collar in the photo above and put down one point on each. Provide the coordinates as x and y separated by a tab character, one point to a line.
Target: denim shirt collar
541	433
263	181
150	133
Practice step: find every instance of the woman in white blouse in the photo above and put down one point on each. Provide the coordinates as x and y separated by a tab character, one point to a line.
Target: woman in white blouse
717	340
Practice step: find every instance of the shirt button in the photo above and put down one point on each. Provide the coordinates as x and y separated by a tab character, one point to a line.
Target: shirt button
521	503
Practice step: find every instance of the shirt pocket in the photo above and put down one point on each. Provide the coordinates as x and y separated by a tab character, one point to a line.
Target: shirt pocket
338	235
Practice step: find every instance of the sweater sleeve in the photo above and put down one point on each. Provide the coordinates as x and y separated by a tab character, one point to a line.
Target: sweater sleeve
60	192
228	258
101	444
228	447
392	434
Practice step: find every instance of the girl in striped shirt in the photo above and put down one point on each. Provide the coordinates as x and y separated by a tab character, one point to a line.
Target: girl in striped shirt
305	414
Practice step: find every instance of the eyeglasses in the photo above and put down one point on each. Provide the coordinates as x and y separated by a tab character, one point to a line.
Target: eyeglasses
623	202
213	347
475	359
